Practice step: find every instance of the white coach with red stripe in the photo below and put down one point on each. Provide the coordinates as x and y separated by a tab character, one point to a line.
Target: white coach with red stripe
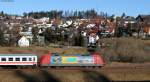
18	59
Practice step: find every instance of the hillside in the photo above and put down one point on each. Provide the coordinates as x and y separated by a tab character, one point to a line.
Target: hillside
113	50
126	50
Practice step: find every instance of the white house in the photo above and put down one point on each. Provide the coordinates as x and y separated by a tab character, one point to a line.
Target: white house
23	42
90	25
27	34
93	38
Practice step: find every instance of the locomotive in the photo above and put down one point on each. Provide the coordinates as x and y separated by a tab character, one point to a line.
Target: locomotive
55	59
52	60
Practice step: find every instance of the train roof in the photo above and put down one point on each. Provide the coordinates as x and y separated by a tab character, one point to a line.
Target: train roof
18	55
58	54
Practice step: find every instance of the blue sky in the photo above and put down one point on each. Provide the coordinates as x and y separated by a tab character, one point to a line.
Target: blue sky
117	7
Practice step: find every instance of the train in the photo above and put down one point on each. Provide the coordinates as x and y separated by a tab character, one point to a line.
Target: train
52	60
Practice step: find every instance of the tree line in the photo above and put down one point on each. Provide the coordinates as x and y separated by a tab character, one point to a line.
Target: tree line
65	14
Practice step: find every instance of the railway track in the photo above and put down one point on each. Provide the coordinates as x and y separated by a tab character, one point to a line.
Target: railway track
75	68
15	69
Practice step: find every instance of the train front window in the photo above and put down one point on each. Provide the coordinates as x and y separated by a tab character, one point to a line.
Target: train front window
3	59
17	59
10	59
24	59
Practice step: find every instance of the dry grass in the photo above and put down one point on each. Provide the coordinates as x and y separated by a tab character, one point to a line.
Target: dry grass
126	50
43	50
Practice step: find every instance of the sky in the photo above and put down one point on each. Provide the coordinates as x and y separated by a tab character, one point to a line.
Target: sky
117	7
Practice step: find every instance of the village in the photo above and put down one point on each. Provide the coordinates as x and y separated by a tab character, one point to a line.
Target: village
74	41
69	30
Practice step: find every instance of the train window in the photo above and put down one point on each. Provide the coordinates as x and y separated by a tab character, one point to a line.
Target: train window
34	59
17	59
56	55
24	59
85	55
30	59
3	59
10	59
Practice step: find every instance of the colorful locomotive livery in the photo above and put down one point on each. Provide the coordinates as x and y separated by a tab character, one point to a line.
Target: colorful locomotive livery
51	60
71	60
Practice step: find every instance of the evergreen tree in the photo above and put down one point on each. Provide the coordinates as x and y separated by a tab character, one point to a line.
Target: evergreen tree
47	35
35	31
2	39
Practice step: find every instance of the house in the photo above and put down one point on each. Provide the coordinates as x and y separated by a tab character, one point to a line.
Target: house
143	22
44	20
93	38
23	42
28	35
129	19
143	18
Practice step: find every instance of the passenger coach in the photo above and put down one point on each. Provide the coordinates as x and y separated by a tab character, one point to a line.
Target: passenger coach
18	60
